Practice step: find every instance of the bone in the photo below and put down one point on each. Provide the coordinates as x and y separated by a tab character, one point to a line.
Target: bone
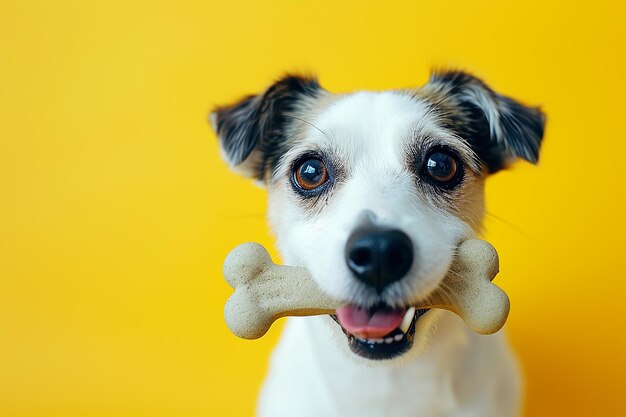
265	291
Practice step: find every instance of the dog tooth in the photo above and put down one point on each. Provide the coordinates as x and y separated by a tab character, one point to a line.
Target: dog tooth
389	340
398	337
377	340
408	318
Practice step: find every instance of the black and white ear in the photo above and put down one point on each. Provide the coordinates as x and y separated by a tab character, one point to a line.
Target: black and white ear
253	132
499	129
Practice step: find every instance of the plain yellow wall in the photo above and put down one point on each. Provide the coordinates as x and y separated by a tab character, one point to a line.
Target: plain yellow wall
116	211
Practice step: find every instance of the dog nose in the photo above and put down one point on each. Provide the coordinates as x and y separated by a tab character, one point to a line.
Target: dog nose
379	257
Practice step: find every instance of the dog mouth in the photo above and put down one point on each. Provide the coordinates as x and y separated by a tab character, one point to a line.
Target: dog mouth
379	332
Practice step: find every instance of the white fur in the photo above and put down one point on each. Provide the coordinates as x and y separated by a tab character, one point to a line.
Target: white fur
460	374
313	373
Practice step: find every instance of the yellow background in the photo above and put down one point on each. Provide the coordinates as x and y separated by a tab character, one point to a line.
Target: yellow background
116	211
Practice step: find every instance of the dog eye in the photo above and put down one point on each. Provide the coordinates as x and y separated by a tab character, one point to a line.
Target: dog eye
442	167
310	174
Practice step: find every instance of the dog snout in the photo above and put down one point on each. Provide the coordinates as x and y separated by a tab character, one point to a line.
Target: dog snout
379	257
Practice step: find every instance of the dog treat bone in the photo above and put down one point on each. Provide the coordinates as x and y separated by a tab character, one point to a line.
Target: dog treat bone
264	291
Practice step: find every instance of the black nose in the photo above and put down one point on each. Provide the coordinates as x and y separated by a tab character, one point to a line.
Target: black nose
379	257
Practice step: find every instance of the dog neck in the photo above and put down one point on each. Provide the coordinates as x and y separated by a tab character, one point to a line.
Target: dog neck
443	376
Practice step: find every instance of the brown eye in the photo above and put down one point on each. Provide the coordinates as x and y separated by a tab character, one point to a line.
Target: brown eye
443	167
310	174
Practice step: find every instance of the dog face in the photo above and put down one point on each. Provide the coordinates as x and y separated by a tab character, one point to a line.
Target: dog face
373	191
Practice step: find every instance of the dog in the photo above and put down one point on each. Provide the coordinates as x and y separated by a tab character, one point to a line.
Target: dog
373	192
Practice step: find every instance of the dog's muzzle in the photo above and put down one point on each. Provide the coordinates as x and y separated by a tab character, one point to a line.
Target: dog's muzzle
378	257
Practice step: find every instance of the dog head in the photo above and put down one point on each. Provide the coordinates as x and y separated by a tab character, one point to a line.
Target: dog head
373	191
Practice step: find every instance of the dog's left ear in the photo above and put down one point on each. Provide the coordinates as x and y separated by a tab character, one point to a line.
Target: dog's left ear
254	132
499	129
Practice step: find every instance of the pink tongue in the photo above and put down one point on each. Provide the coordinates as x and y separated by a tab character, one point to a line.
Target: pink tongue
369	324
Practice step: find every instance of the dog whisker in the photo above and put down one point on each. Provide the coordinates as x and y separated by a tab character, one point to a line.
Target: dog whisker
307	122
508	223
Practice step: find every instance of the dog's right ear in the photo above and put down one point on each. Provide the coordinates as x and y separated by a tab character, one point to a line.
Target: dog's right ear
253	131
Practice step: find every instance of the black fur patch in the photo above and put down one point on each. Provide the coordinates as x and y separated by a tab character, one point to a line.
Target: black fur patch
258	123
498	128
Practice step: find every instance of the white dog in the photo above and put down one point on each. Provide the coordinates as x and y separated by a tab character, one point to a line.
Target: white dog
372	192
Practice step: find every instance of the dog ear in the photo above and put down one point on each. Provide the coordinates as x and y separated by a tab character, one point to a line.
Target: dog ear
499	129
252	132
